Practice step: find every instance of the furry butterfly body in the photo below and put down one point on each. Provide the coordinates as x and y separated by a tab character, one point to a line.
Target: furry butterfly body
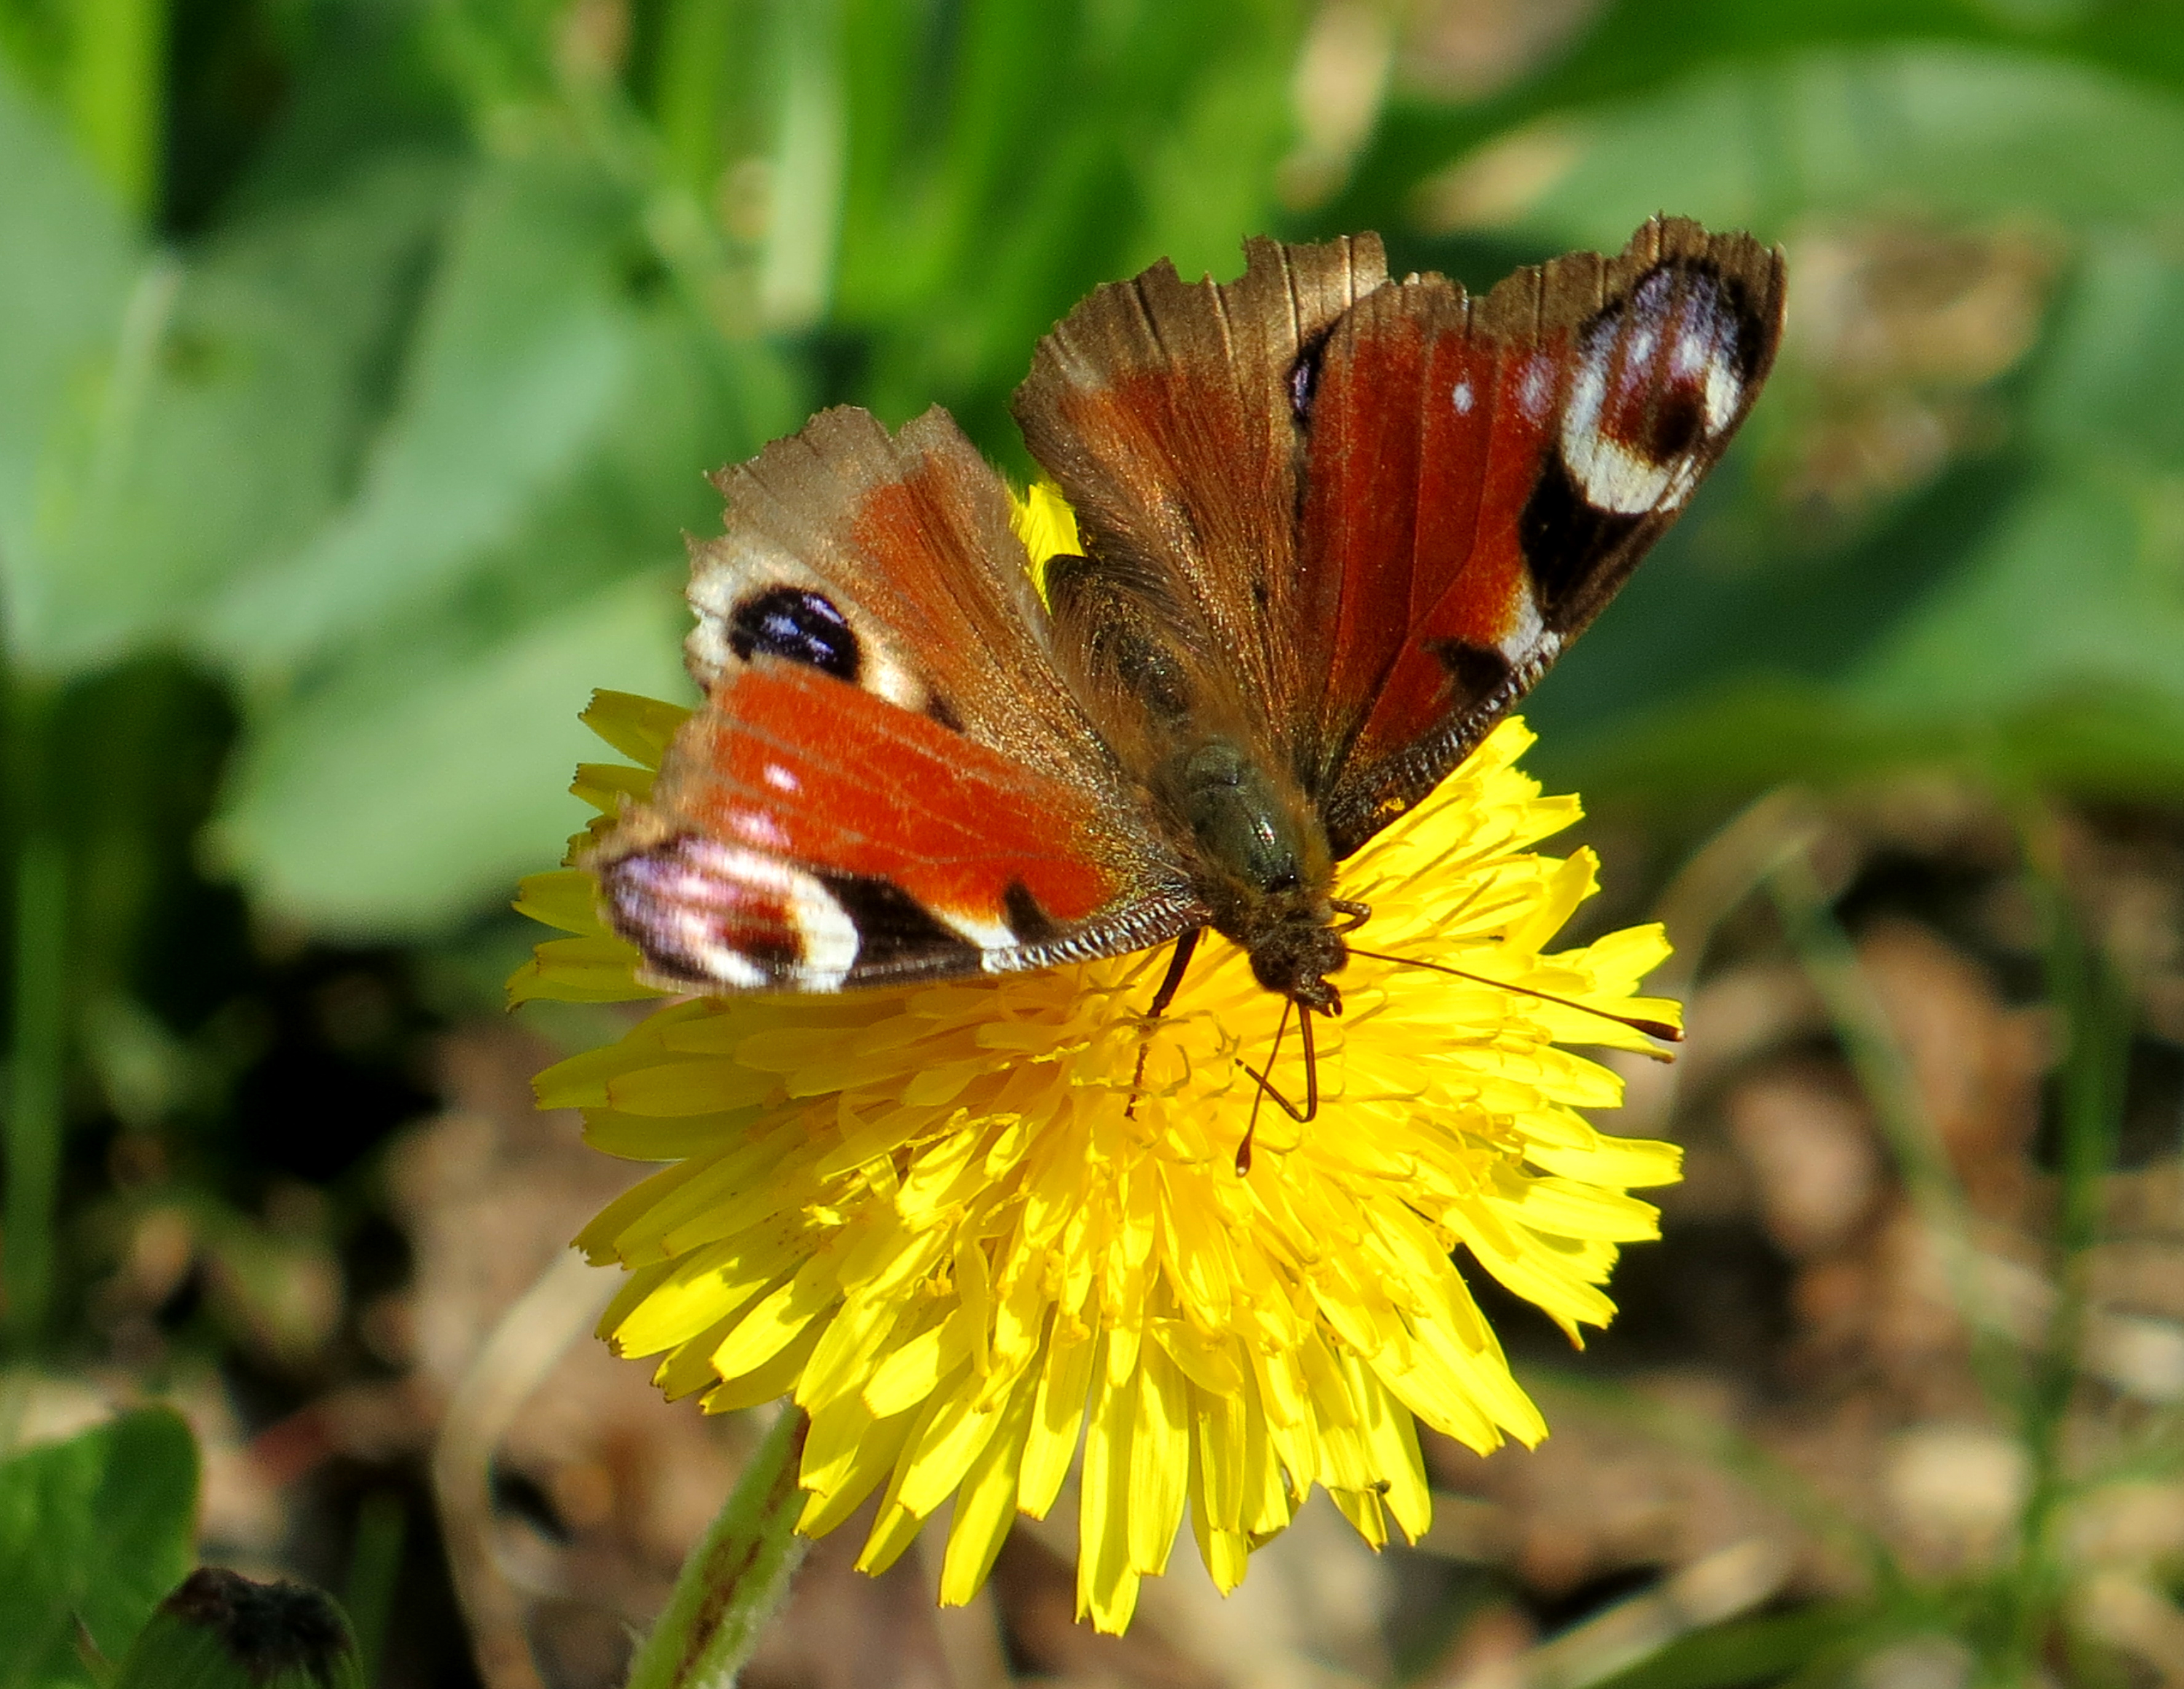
1333	525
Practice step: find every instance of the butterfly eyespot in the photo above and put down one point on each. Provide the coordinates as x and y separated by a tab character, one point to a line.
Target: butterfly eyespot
1675	426
798	626
1660	373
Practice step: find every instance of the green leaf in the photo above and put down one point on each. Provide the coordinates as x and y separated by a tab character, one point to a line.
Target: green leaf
1945	132
116	91
415	789
247	385
2109	381
524	349
95	1530
66	265
2065	597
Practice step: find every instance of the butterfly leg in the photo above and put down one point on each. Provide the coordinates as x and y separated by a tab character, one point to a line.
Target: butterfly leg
1303	1117
1171	982
1355	914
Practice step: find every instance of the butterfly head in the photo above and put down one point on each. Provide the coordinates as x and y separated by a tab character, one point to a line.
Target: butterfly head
1294	957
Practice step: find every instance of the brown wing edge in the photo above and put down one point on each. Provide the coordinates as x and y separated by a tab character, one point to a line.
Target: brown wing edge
1573	290
1164	410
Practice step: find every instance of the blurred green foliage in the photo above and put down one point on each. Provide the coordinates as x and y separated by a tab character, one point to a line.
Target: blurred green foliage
360	361
92	1532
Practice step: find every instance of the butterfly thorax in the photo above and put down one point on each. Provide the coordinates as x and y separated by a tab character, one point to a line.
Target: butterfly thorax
1260	862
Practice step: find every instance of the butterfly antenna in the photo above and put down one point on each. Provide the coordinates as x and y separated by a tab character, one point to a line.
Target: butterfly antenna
1171	982
1259	1095
1652	1028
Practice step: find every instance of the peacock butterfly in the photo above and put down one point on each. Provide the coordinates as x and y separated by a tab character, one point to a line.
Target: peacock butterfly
1333	525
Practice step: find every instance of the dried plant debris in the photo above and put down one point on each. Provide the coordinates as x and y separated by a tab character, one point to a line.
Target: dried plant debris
1900	333
1850	1415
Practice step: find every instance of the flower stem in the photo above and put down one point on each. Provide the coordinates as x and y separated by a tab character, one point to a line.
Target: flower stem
736	1576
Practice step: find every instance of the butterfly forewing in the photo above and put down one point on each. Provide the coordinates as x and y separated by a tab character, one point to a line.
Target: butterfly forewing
888	779
920	587
1407	448
1481	476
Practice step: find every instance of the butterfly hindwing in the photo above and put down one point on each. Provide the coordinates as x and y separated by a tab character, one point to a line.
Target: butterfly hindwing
805	833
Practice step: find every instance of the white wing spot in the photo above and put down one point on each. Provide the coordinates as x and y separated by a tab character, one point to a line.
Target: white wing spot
827	936
1463	398
1610	474
755	827
1526	629
1724	391
831	941
1694	352
990	936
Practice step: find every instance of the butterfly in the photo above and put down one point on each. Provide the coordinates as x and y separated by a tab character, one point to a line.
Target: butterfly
1333	526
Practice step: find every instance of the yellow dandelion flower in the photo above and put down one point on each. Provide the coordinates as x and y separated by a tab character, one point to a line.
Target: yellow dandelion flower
1046	525
934	1219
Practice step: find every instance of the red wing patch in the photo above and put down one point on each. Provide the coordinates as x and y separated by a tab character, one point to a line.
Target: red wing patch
1393	504
807	834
